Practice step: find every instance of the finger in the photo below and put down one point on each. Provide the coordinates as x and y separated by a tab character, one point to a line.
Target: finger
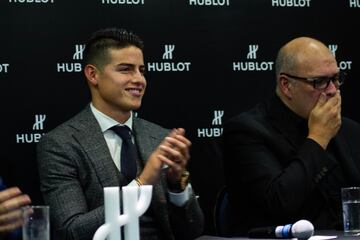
183	139
11	226
14	203
180	142
335	103
181	136
9	193
182	145
173	165
10	217
322	100
172	134
171	153
339	96
180	131
176	142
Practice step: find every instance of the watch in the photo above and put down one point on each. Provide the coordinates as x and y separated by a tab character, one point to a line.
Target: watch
181	184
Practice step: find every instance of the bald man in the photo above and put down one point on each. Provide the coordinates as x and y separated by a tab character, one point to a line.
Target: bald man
288	158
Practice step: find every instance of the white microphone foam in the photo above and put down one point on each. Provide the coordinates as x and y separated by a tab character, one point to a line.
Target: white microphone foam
302	229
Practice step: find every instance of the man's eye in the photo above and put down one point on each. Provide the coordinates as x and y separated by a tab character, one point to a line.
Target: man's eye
321	80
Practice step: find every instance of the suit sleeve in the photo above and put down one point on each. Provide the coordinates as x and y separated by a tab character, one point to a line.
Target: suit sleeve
276	176
180	223
62	191
187	222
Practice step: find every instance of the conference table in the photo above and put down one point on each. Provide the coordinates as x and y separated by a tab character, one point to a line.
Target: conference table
318	235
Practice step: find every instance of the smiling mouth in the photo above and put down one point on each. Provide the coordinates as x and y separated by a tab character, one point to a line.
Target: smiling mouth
135	91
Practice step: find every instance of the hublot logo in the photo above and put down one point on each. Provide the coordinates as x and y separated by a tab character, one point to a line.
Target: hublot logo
214	131
72	66
31	1
252	65
4	67
168	66
354	3
343	65
124	2
209	2
290	3
34	136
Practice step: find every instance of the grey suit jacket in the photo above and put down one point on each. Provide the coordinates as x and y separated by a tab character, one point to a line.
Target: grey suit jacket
75	165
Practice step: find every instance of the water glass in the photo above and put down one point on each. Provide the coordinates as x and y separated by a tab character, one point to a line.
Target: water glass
351	210
36	223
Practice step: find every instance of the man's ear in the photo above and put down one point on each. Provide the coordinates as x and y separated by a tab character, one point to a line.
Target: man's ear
91	73
286	86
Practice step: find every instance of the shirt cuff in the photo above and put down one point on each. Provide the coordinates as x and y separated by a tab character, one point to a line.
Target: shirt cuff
179	199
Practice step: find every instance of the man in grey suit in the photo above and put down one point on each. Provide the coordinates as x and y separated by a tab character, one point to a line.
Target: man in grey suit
82	156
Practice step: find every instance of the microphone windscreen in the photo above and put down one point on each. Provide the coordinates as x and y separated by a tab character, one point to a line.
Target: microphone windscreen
302	229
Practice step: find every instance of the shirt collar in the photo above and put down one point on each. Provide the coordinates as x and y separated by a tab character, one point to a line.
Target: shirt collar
107	122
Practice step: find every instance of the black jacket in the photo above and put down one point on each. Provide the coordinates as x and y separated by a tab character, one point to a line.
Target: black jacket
275	175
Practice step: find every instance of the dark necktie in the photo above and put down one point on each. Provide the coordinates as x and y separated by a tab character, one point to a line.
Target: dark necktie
128	152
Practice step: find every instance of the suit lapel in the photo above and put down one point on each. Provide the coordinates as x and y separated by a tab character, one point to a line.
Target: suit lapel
147	141
144	138
95	146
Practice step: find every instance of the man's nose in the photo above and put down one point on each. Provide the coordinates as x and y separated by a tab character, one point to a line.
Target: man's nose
331	89
137	72
138	76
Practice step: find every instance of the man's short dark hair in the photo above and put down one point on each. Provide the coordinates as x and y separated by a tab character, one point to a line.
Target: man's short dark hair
97	47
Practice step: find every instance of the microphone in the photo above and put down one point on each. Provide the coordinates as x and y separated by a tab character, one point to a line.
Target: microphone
302	229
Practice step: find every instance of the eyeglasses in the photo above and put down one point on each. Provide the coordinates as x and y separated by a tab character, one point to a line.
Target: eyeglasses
321	83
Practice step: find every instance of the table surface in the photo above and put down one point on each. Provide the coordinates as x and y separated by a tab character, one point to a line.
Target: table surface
319	235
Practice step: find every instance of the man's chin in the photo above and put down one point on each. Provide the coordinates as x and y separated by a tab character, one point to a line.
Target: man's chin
135	107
